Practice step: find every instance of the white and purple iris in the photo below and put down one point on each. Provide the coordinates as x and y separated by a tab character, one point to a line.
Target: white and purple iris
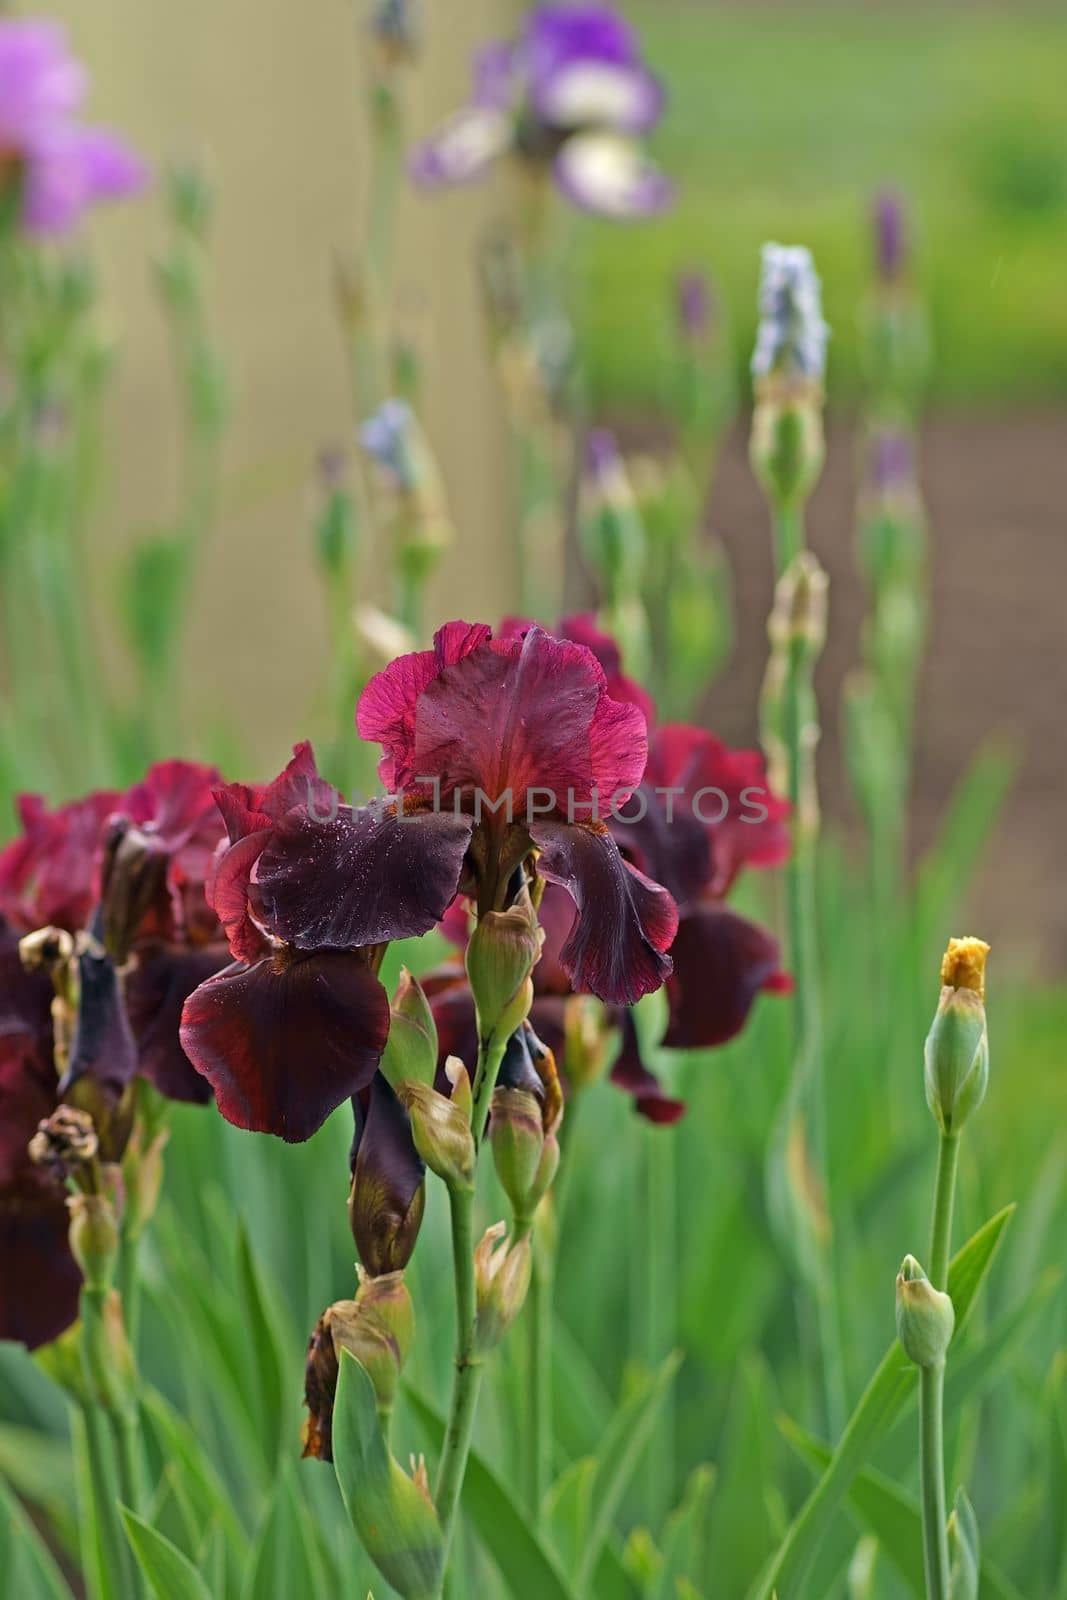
792	335
53	166
570	94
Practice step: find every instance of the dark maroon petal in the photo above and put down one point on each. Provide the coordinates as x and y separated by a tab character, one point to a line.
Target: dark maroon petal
27	1087
625	922
364	877
39	1279
556	916
631	1074
228	894
387	1182
283	1045
102	1048
721	962
663	839
453	1013
161	979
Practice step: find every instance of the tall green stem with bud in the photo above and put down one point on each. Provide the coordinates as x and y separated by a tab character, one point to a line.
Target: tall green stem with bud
956	1074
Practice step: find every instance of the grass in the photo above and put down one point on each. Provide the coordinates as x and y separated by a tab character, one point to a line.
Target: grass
783	123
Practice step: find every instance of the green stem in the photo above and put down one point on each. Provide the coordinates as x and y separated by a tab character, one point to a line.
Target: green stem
468	1377
100	1517
800	731
932	1384
948	1156
539	1330
932	1472
661	1303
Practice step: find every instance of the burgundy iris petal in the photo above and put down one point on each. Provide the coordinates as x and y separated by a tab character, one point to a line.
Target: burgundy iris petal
625	922
160	981
727	790
721	962
670	846
386	711
282	1046
631	1074
50	873
364	877
39	1278
528	714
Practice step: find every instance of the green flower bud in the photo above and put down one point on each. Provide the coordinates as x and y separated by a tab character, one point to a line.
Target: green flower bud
925	1316
501	954
957	1046
376	1327
94	1237
410	1054
442	1133
526	1159
964	1549
787	448
502	1278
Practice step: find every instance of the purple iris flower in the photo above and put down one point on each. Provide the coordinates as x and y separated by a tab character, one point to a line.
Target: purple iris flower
54	165
571	94
890	236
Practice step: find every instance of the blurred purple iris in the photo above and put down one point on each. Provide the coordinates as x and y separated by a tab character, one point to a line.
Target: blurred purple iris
52	166
571	94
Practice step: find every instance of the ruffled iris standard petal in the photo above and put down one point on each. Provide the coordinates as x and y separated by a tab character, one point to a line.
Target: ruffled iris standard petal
161	979
365	877
49	874
386	711
630	1073
625	923
517	715
283	1045
600	94
721	963
609	176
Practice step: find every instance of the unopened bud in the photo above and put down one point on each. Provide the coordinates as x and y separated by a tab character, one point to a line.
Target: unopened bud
501	954
957	1046
525	1160
442	1134
925	1316
388	1194
798	618
787	448
502	1278
376	1327
134	879
410	1053
587	1035
964	1550
94	1237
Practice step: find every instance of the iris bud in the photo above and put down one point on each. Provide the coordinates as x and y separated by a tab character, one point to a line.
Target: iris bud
410	1053
525	1159
925	1317
376	1327
441	1132
957	1046
94	1237
502	1278
502	952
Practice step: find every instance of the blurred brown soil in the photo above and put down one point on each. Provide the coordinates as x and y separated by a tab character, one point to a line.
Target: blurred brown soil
996	489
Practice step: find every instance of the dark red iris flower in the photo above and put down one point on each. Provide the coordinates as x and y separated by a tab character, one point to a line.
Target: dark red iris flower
702	812
496	751
39	1280
131	868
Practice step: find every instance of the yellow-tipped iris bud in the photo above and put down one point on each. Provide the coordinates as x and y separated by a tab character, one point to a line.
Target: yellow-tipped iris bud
441	1132
925	1317
502	1278
525	1157
957	1046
